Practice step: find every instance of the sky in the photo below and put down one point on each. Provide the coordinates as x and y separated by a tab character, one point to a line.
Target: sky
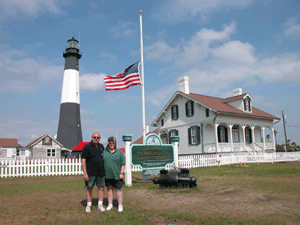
219	44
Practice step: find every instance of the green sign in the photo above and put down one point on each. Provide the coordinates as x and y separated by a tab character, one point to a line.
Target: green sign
151	172
152	156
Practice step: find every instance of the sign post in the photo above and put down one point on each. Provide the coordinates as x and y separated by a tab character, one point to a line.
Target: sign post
128	176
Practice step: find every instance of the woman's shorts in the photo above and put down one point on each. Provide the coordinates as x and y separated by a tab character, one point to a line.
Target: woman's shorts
118	184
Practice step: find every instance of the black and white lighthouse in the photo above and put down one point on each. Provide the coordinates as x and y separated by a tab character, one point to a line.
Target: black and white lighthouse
69	132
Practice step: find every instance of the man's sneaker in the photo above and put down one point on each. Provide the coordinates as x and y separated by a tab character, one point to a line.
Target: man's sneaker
101	208
88	209
120	208
109	207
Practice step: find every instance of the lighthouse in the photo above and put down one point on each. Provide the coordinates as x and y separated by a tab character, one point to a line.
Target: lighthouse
69	132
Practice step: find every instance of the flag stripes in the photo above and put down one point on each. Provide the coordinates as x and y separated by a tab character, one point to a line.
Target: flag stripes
127	78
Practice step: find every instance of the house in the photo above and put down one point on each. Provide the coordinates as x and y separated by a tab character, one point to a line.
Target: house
208	124
76	151
8	148
46	147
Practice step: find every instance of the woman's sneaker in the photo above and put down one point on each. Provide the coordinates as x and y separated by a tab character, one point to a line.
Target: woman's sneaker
88	209
120	208
109	207
101	208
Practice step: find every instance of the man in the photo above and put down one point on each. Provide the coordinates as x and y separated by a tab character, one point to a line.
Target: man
93	170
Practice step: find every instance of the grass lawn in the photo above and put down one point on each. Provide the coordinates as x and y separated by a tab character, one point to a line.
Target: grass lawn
235	194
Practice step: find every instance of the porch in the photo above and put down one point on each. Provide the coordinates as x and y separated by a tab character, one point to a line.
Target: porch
232	137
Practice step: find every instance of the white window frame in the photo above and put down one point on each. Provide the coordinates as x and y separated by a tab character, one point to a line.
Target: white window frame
194	135
189	108
235	134
51	152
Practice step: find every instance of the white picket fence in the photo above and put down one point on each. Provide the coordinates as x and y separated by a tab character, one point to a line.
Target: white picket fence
61	167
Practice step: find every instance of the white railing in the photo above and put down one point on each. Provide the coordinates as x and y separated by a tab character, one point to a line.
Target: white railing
209	147
60	167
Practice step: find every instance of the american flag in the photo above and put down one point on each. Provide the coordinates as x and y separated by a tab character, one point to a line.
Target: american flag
127	78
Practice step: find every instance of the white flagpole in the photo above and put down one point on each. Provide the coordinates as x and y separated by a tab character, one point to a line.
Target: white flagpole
142	72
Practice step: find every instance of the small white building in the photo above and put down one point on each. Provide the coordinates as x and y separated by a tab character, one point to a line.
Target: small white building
46	147
8	148
208	124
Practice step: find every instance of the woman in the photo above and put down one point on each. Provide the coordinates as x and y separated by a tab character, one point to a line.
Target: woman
114	163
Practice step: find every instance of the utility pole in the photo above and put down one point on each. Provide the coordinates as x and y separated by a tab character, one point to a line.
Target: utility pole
284	130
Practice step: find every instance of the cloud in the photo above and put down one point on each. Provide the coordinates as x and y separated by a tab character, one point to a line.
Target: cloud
178	10
86	112
161	51
213	62
198	49
162	95
209	35
124	29
28	74
109	56
31	7
93	82
292	29
236	51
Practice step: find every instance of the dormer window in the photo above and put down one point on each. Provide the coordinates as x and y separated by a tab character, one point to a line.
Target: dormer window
189	108
247	105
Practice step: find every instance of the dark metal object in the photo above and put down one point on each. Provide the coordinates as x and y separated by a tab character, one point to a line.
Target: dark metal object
175	179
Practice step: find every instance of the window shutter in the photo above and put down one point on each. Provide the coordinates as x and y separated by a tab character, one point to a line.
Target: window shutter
176	112
198	135
186	109
245	105
189	136
172	112
192	106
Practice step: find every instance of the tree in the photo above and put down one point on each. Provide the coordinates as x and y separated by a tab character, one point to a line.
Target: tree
280	148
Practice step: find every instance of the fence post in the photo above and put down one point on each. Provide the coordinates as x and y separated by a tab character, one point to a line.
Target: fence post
128	176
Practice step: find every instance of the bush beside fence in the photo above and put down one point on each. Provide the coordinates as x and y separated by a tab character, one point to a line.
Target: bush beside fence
62	167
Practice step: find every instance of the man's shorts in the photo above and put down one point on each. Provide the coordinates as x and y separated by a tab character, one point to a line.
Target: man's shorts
99	181
118	184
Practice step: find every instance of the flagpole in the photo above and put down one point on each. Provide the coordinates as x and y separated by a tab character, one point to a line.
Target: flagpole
142	73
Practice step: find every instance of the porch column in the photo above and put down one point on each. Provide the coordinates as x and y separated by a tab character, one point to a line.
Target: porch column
216	135
230	125
264	141
252	134
274	141
244	138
